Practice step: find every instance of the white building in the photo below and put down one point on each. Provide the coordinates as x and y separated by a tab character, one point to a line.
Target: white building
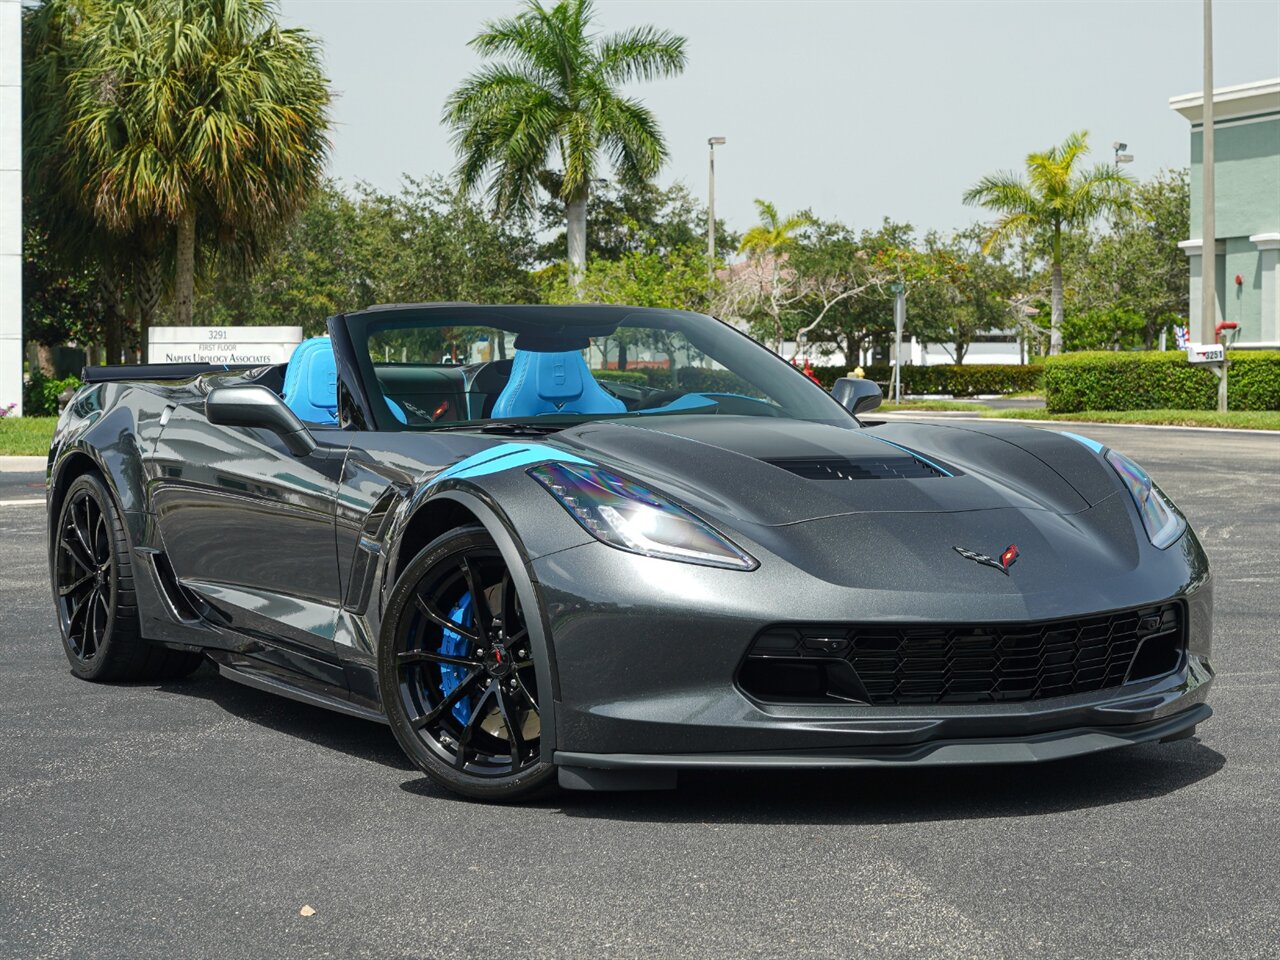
11	205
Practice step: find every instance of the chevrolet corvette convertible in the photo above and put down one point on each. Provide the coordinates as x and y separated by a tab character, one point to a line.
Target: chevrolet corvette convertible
600	544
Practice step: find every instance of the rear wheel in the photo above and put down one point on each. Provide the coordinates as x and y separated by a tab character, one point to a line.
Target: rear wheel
93	588
457	672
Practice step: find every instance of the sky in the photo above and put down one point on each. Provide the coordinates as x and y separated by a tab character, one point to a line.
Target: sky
856	109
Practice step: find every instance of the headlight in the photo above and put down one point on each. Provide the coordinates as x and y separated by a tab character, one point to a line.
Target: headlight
1163	523
630	517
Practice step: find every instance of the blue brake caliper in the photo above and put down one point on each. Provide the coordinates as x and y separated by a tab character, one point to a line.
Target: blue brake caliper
453	644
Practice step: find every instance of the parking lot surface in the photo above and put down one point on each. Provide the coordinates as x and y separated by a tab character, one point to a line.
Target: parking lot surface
197	819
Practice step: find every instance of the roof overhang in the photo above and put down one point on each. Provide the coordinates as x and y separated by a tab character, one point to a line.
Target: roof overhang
1242	100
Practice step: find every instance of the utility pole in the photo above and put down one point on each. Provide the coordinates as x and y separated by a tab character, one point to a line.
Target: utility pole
899	320
711	207
1208	229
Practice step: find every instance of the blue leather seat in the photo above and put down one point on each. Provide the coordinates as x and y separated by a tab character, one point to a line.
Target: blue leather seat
552	383
311	382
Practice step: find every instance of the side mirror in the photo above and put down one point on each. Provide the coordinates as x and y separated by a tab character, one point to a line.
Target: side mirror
857	396
256	406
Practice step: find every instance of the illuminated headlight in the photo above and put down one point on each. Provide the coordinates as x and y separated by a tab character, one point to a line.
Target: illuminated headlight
631	517
1164	524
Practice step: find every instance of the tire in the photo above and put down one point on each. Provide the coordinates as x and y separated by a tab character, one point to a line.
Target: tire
455	669
93	590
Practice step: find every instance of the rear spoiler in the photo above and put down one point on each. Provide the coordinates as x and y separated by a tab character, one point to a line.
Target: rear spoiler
117	372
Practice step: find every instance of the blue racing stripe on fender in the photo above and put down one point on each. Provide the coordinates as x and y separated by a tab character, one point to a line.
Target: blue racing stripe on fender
1093	445
507	456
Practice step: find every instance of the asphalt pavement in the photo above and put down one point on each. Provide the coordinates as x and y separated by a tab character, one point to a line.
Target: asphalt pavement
197	819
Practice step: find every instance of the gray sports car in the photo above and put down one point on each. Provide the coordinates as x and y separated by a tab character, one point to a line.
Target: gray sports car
607	543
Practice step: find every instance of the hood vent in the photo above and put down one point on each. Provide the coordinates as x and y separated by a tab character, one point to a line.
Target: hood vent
904	467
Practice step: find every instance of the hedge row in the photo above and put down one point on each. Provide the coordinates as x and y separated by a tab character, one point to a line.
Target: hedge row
1100	380
956	380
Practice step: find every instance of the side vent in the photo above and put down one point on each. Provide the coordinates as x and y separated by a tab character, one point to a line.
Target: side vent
184	604
902	467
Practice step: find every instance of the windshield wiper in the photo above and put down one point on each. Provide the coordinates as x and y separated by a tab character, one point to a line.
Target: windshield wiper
509	428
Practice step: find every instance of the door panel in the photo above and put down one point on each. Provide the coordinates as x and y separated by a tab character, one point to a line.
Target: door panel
249	526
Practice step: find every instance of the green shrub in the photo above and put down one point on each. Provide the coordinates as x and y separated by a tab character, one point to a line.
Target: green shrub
40	394
1159	381
623	376
956	380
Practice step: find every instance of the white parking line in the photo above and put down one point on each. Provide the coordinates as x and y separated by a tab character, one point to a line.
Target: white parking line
22	503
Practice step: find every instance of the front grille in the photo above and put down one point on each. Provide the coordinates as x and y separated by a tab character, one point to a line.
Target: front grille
904	467
963	663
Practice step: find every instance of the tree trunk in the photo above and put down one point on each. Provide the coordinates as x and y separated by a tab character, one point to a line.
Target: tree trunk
1055	314
112	290
184	279
148	291
576	221
44	359
962	347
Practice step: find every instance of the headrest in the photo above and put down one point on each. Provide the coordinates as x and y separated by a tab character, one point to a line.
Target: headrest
552	342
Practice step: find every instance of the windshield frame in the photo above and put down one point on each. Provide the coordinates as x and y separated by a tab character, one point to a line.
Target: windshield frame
588	320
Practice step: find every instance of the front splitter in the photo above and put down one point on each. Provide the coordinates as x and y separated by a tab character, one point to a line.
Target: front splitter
627	771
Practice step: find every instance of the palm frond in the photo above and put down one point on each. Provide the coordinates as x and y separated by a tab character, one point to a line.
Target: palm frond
641	53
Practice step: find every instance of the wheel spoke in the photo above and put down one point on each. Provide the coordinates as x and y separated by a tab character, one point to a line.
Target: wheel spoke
464	739
482	615
100	537
528	698
440	620
431	656
80	608
511	720
72	549
73	587
456	694
80	532
89	631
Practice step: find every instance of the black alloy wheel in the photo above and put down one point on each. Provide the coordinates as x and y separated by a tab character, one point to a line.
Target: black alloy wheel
94	591
456	667
86	577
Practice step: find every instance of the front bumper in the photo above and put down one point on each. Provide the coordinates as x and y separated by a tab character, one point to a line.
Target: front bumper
645	654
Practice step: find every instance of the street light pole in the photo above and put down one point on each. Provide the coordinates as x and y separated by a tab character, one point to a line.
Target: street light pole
1208	229
711	205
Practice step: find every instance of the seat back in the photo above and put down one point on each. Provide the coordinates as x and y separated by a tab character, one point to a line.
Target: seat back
311	382
553	383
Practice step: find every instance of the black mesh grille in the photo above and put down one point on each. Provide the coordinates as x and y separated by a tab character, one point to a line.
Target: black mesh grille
904	467
925	664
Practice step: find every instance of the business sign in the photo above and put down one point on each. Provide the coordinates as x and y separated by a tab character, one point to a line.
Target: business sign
1206	352
222	344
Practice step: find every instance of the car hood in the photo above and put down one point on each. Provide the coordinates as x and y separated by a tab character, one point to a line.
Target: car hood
772	472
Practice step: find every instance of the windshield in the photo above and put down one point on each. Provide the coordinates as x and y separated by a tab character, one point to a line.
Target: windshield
552	367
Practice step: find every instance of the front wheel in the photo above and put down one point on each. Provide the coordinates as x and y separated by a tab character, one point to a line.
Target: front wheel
456	669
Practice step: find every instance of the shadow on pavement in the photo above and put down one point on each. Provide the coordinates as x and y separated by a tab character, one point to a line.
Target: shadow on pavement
920	795
797	796
325	728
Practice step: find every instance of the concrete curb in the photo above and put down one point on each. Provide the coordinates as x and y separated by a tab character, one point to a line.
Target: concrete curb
1067	424
23	464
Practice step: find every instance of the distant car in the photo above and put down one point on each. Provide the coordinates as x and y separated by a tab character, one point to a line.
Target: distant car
552	561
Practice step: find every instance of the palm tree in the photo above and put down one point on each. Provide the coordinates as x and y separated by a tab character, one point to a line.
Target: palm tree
767	244
1057	196
202	115
555	93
